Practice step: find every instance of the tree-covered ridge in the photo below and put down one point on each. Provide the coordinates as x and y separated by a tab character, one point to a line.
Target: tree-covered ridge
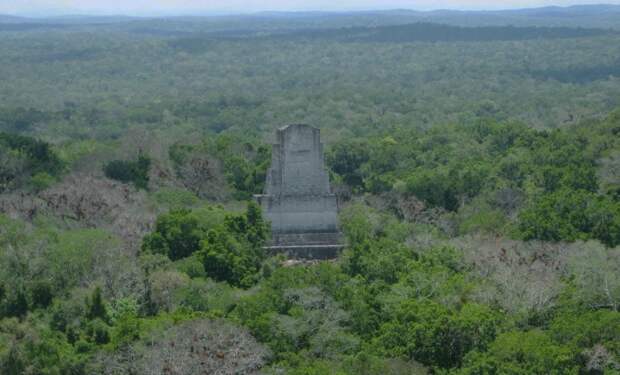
588	16
428	32
252	85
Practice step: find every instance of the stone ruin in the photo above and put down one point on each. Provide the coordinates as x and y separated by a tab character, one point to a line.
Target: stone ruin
298	199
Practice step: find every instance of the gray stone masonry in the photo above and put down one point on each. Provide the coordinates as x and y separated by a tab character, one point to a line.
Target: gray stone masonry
298	200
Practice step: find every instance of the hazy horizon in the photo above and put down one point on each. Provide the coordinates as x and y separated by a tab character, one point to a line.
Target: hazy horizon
189	7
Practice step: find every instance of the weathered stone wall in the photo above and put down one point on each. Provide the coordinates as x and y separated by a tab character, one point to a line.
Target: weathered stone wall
305	214
298	200
298	162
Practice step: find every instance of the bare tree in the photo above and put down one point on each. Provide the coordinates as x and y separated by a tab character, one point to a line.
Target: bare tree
609	171
600	359
212	347
164	285
77	259
90	202
203	175
518	276
596	271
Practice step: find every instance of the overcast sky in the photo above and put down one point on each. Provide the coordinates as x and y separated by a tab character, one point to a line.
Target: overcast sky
242	6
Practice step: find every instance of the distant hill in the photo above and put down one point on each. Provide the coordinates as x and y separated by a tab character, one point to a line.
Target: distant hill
604	16
572	11
11	19
15	23
69	19
430	32
417	32
90	20
575	10
584	16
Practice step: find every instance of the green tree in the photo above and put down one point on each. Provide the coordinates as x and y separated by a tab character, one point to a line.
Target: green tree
136	172
346	159
434	335
435	187
95	306
15	303
257	229
233	253
532	352
586	329
571	215
177	234
41	294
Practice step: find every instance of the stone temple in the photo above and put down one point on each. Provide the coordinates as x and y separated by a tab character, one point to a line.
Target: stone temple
298	199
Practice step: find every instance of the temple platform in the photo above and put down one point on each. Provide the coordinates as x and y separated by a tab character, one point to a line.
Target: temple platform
307	252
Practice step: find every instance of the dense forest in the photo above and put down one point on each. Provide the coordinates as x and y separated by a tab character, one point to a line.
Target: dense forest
475	157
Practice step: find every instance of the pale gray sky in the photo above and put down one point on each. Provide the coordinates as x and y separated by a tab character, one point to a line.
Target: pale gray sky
193	6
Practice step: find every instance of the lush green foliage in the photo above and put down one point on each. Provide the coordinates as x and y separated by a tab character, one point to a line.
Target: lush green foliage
176	77
136	172
26	160
480	197
530	352
571	215
177	235
549	178
229	246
